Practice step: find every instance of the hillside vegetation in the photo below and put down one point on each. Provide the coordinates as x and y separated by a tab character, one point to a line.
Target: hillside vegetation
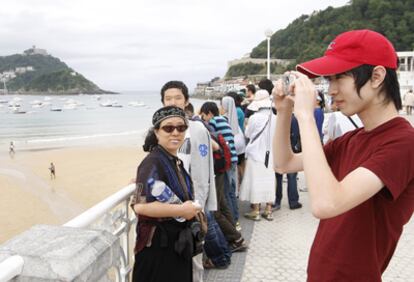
308	36
49	75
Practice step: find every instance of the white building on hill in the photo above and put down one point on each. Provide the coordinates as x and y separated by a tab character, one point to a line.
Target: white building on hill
35	51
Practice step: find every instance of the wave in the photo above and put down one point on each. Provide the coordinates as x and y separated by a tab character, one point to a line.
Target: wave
84	137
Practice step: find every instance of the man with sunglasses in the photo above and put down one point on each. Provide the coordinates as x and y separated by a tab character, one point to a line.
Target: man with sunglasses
361	185
197	156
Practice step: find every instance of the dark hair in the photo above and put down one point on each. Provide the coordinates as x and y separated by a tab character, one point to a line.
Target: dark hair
189	109
174	84
322	101
266	84
209	107
389	87
236	97
251	88
151	140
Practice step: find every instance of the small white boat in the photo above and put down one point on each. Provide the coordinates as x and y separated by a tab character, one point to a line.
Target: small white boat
55	109
35	102
70	106
110	103
13	103
136	104
17	110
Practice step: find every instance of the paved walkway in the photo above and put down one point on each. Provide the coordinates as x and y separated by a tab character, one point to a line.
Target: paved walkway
278	250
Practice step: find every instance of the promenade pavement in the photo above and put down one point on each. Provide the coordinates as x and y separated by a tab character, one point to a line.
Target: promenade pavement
278	250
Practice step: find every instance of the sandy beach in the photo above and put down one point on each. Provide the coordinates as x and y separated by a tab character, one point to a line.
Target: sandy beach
84	176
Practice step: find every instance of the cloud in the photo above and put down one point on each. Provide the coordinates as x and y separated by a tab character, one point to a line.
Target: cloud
136	44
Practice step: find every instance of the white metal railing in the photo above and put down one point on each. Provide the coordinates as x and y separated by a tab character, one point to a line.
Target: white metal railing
118	223
10	268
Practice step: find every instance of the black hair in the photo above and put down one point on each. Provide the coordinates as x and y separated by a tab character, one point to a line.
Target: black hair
266	84
389	87
322	101
236	97
251	88
174	84
189	109
151	140
209	107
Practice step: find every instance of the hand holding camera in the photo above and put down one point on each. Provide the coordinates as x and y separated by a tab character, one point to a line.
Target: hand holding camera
288	81
283	93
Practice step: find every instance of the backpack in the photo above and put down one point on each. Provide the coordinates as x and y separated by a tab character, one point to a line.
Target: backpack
222	157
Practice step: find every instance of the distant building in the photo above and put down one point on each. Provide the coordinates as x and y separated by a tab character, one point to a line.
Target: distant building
7	75
406	71
35	51
21	70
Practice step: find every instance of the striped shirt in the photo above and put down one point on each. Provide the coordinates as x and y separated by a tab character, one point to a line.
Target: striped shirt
220	124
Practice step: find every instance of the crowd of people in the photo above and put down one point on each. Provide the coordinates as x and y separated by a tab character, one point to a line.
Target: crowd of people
360	182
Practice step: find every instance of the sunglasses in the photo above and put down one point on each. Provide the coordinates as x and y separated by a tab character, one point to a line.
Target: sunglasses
171	128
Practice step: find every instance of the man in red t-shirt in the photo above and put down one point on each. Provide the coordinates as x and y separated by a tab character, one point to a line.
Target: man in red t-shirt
361	185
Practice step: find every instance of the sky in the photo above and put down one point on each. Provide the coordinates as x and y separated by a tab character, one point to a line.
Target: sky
139	45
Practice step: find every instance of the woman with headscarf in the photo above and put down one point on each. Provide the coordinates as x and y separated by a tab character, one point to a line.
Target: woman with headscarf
228	110
161	254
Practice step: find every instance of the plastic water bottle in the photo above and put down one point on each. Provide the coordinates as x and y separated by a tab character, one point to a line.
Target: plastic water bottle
164	194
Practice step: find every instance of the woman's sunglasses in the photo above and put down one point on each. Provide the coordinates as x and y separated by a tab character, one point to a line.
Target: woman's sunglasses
170	128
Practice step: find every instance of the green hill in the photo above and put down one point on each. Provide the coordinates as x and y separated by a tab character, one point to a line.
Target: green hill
307	36
46	74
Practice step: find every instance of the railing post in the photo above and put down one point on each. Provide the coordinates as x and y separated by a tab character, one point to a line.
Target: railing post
11	267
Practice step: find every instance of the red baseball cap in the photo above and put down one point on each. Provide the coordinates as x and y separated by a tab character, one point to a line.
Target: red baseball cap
350	50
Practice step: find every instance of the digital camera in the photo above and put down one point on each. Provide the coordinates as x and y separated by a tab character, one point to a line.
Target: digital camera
287	80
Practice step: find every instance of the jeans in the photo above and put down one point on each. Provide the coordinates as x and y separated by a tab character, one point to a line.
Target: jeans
215	245
223	215
230	185
292	189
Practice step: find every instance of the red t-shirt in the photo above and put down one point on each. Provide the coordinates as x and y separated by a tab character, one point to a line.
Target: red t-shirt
358	245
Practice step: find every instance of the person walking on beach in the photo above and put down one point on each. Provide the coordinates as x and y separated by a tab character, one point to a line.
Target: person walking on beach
197	156
361	184
163	249
52	171
11	149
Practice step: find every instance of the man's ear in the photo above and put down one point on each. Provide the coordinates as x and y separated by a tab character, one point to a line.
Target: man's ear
378	76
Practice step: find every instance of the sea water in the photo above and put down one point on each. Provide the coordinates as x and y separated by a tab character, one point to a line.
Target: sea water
82	121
